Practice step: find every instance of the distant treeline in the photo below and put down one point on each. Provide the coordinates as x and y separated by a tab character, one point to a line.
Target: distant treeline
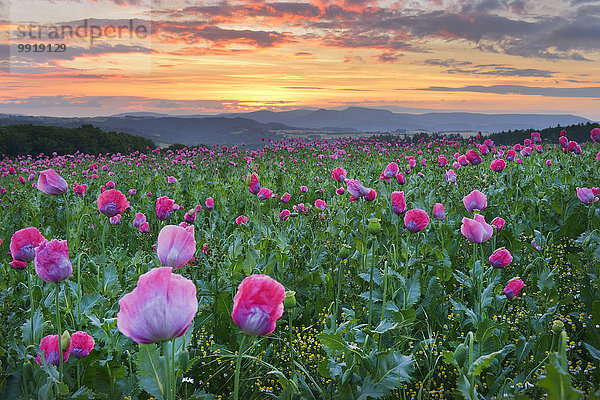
579	133
33	139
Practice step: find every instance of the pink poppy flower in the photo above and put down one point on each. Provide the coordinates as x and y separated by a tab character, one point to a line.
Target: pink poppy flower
371	195
144	227
20	265
241	220
586	195
498	165
451	176
81	344
483	149
339	174
356	189
416	220
110	185
254	186
510	155
320	204
80	189
500	258
285	198
209	203
439	212
171	180
475	201
340	191
391	170
476	230
176	245
412	162
115	220
164	208
112	202
49	345
473	157
595	135
258	304
23	243
462	160
284	215
526	151
548	162
400	178
303	189
132	192
52	261
498	223
398	203
161	307
50	182
190	216
513	288
442	161
139	220
563	141
265	193
535	136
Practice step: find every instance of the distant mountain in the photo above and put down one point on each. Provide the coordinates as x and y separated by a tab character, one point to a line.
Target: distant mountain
371	120
140	114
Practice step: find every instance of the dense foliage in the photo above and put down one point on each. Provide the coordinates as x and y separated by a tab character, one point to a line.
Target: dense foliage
578	132
35	139
381	312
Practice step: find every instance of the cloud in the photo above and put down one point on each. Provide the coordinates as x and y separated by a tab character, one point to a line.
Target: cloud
466	67
591	92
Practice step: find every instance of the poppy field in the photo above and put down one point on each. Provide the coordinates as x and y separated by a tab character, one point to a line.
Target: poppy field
330	269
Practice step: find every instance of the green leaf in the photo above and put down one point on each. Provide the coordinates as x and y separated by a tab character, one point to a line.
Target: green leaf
151	370
557	382
385	326
37	324
485	330
593	351
393	369
483	362
464	388
333	341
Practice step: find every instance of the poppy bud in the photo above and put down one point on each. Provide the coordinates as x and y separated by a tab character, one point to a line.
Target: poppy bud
290	299
65	340
557	326
344	252
374	226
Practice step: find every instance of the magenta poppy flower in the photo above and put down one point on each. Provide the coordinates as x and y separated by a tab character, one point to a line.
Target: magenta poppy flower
535	136
462	160
398	203
548	162
144	227
16	264
132	192
112	202
498	165
510	155
241	220
164	207
526	151
171	180
498	223
116	220
258	304
563	141
475	201
442	161
371	195
139	220
416	220
572	147
110	185
23	243
303	189
412	162
500	258
513	288
356	189
595	135
265	193
80	189
161	307
190	216
285	198
483	149
339	174
49	345
52	261
439	212
451	176
476	230
340	191
254	186
176	245
320	204
391	170
400	178
81	344
586	195
52	183
284	215
473	157
209	203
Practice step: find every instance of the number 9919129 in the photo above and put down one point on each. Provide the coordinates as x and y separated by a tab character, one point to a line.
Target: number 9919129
41	48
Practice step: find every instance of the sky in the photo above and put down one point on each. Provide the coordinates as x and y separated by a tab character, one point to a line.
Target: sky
209	57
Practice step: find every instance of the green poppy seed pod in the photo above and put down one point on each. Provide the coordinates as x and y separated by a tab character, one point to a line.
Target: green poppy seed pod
290	299
374	226
557	326
65	340
344	252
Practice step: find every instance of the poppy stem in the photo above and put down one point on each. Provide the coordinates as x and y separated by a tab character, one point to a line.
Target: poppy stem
238	367
31	305
60	352
373	255
291	338
339	290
